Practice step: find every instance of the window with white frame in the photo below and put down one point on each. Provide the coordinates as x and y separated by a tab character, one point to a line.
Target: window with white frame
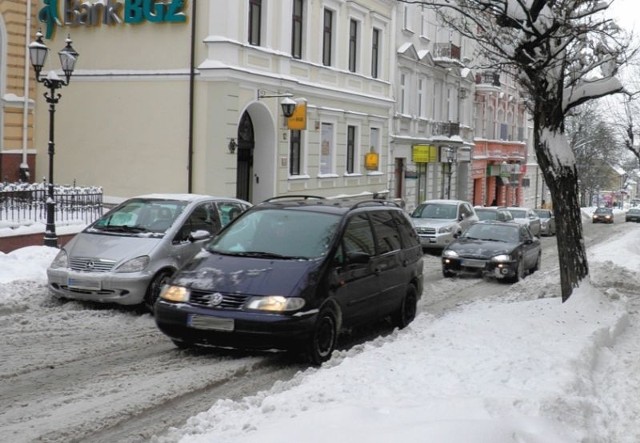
326	149
374	141
420	97
423	21
327	37
353	45
255	22
405	17
402	93
295	152
352	134
375	52
297	28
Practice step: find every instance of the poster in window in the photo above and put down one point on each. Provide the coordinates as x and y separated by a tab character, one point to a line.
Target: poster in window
326	148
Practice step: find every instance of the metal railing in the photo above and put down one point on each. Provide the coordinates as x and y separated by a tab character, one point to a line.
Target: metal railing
26	203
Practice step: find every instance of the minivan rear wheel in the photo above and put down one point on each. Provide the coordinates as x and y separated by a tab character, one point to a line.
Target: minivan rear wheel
323	338
408	308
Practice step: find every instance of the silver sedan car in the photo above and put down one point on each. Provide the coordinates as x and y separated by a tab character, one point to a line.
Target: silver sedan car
127	255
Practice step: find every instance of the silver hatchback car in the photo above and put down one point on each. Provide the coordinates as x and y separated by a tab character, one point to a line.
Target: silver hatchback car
439	221
127	255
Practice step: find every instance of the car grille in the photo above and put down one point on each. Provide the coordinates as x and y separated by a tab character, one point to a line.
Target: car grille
426	231
229	301
86	264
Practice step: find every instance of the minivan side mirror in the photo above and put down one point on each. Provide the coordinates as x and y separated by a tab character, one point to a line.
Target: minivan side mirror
200	234
358	257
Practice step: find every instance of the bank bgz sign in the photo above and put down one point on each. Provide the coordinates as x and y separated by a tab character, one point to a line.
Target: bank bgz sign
109	12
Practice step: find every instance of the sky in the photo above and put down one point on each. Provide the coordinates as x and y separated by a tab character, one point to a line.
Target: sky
523	368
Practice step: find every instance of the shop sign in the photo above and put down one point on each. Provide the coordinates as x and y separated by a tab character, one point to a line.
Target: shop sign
371	161
424	154
298	121
109	12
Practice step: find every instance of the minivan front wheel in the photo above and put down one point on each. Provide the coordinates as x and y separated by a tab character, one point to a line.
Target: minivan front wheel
153	291
408	309
323	337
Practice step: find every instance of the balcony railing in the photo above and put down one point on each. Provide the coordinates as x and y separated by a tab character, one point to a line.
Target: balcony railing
447	50
488	78
446	128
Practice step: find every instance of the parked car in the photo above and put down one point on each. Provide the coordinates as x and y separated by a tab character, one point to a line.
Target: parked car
488	213
502	250
633	215
439	221
603	215
547	221
292	273
527	217
126	255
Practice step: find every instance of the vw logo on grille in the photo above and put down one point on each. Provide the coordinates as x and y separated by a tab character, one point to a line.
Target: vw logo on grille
90	264
214	299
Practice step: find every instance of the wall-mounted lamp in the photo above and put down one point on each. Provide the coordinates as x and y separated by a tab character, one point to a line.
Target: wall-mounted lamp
287	104
232	146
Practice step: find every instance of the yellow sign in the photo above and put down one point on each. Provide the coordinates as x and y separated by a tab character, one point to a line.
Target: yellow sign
424	154
298	121
371	160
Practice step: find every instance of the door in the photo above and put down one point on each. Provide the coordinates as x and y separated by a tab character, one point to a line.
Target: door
356	284
204	217
246	144
389	263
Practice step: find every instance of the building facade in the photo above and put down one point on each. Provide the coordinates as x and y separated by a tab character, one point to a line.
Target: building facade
185	96
432	132
17	153
501	155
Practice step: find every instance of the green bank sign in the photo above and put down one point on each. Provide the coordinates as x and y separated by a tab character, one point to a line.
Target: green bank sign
109	12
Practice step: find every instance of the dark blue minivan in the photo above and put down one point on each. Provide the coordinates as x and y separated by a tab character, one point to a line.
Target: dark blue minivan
291	273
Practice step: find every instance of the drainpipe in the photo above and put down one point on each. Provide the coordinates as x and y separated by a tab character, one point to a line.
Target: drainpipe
24	166
191	94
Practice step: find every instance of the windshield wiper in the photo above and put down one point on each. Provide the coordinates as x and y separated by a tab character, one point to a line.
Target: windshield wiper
261	254
122	228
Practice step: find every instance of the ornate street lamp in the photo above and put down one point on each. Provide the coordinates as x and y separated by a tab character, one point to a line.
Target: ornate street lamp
38	54
451	159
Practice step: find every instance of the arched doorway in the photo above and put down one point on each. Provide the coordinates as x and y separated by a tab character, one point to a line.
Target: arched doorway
246	145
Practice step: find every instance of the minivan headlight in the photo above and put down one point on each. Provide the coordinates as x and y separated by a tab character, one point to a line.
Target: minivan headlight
502	258
61	260
175	293
134	265
275	303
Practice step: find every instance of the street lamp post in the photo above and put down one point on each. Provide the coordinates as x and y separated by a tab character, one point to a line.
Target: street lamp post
38	54
451	158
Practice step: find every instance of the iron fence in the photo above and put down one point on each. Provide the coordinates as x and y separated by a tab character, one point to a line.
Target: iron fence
26	203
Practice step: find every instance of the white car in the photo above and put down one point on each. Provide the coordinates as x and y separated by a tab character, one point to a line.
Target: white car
439	221
527	217
127	255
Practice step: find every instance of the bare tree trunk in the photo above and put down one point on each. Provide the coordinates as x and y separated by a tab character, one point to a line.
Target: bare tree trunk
562	181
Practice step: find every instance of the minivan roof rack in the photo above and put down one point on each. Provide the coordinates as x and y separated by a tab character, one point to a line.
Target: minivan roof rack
375	202
294	197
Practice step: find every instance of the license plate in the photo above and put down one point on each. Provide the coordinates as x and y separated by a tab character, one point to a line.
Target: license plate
211	323
78	283
473	263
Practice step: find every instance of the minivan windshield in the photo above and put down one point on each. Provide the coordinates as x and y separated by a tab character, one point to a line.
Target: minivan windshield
278	233
436	210
141	215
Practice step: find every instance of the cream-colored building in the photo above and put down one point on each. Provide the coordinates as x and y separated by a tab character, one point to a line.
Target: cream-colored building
17	153
186	97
